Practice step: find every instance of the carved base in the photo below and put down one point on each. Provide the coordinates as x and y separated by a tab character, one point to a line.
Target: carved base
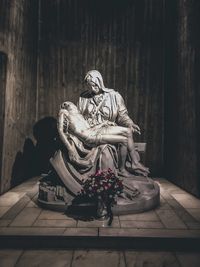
56	197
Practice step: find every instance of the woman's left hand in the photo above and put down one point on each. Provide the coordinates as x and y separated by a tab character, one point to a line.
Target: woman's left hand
136	129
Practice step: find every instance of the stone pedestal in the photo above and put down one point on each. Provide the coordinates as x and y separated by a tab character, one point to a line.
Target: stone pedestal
56	197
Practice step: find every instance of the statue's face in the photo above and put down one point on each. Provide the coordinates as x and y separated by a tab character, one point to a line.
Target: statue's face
92	82
69	106
94	87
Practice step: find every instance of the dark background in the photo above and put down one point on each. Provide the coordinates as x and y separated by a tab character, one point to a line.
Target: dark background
148	50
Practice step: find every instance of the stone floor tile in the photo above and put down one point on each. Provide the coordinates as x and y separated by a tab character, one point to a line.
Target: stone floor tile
171	201
98	258
177	191
81	231
55	223
145	216
10	198
185	216
188	259
16	209
170	188
8	258
48	215
161	180
33	191
133	232
22	188
163	204
141	224
170	219
150	259
32	204
195	213
42	258
43	231
5	222
187	201
26	186
3	210
193	225
26	217
122	232
99	223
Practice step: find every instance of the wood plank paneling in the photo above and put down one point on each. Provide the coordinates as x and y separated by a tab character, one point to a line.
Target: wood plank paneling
148	50
18	39
121	39
3	72
182	96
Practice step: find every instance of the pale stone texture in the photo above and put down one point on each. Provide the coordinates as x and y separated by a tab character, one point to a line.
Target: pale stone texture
55	223
16	208
26	231
48	215
163	204
8	258
141	224
22	216
98	258
193	225
160	233
145	216
4	223
3	210
170	219
188	259
26	217
81	231
150	259
99	223
42	258
10	198
187	201
195	213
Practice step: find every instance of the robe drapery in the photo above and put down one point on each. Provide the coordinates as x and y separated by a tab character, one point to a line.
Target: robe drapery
96	109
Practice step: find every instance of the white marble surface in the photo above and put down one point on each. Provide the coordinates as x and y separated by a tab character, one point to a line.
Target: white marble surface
10	198
97	258
20	214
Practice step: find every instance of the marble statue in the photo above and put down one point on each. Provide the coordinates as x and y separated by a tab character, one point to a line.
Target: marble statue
71	121
97	134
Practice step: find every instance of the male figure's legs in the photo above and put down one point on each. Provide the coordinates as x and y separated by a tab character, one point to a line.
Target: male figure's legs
124	136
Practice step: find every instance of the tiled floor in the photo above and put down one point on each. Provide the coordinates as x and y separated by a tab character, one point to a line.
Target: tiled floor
178	215
97	258
19	212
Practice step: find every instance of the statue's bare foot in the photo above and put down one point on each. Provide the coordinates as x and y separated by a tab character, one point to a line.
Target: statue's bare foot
124	173
139	166
140	172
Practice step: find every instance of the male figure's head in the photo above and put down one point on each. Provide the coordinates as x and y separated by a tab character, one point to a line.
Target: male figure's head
70	107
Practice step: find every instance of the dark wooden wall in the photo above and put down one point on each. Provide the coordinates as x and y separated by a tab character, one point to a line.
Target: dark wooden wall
3	71
148	50
121	39
182	94
18	40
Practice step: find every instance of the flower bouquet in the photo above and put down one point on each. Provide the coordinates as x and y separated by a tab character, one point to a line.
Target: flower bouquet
104	187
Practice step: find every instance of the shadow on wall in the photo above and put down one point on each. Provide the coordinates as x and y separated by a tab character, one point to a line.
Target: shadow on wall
34	159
